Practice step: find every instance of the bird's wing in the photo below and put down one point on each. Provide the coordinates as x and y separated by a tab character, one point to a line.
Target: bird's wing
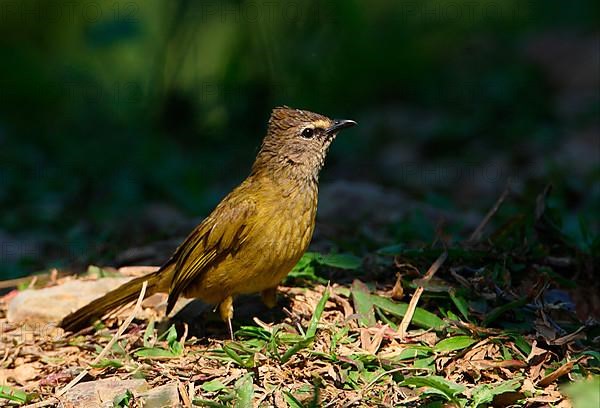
221	234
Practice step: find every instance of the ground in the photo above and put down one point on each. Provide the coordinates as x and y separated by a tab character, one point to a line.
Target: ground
493	320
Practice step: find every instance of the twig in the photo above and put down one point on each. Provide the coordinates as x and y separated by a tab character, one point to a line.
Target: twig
112	341
476	235
187	402
412	306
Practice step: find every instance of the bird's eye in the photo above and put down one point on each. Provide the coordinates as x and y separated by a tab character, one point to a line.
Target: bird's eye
308	133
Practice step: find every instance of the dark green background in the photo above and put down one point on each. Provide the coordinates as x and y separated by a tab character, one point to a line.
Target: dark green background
107	106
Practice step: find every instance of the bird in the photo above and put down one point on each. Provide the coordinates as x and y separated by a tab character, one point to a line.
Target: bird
254	236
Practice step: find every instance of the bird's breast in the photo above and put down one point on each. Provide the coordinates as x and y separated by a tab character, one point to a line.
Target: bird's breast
287	224
277	237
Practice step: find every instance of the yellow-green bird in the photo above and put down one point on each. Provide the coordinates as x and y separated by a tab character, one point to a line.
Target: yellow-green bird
255	235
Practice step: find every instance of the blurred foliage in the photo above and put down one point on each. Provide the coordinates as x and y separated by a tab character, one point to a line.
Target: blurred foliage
108	105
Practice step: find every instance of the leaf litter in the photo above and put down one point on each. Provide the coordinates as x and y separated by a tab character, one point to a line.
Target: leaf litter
488	332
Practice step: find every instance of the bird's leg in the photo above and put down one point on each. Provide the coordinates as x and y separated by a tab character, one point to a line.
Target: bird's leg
269	297
226	312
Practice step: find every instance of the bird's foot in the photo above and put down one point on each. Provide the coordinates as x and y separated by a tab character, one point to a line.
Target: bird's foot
226	312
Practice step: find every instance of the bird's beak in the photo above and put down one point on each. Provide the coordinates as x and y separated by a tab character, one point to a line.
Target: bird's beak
340	124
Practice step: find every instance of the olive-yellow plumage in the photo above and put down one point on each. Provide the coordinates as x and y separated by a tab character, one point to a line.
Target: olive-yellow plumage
255	235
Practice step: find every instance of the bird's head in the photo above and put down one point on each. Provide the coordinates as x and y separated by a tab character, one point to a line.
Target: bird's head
297	141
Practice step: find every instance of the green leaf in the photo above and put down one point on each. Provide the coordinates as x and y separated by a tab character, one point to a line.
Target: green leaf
311	330
521	343
305	270
244	392
212	386
15	395
485	393
443	387
413	352
426	363
294	349
148	333
123	400
453	344
253	332
291	400
171	335
247	362
207	403
584	393
156	352
421	318
294	402
460	303
306	260
105	362
363	304
500	310
314	321
175	347
341	261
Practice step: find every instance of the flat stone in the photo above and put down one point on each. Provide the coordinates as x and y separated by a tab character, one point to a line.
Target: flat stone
165	396
52	304
101	393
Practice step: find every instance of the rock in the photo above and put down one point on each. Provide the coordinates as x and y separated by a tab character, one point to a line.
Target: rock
137	270
53	303
165	396
101	393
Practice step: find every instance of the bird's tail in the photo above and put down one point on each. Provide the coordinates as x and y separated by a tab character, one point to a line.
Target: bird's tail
125	293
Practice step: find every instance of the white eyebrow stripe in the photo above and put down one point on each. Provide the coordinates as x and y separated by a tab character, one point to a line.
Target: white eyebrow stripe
321	124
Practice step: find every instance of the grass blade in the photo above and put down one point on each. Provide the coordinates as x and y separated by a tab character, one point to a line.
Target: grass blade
312	328
453	344
499	311
444	387
421	318
363	304
13	394
314	321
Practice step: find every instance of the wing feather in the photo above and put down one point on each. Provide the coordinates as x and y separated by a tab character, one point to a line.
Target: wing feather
221	234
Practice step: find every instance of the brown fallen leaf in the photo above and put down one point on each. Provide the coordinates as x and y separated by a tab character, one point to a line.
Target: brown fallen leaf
546	399
483	364
397	290
536	359
24	373
559	372
371	344
576	335
507	399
